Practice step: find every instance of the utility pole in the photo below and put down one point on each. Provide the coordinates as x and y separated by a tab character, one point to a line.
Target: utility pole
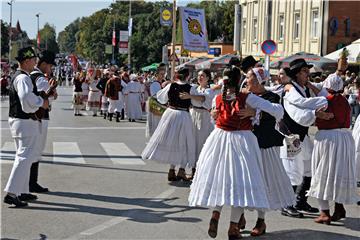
173	42
130	33
38	30
10	31
268	32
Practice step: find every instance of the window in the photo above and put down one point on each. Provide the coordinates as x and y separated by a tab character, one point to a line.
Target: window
315	24
243	30
281	26
255	29
296	25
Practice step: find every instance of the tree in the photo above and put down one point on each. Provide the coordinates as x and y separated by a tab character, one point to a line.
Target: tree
48	38
4	38
67	39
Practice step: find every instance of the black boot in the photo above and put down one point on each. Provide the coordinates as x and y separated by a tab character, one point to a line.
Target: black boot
122	114
117	117
105	115
301	198
290	211
101	112
110	116
33	184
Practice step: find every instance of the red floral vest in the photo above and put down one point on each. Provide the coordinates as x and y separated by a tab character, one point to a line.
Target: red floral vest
228	118
339	106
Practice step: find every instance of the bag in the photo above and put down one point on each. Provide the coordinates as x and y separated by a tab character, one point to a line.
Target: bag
155	107
292	141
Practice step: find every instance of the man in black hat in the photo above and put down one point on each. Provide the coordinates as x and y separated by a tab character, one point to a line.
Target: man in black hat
46	85
301	111
24	126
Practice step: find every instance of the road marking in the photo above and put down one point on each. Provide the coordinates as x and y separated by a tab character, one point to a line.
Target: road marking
89	128
119	153
68	152
7	157
114	221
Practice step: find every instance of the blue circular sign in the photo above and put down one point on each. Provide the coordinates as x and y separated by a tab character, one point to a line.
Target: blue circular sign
268	47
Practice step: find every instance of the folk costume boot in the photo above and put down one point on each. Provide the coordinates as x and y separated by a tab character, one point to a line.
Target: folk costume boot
242	222
105	115
234	232
181	175
324	217
213	225
172	176
111	116
301	198
193	170
339	212
117	117
14	200
122	114
33	184
259	229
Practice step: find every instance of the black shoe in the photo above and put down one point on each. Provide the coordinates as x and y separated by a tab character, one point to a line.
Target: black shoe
132	120
129	119
290	211
94	115
305	207
27	197
14	200
38	189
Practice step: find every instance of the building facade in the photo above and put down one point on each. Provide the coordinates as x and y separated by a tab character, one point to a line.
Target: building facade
313	26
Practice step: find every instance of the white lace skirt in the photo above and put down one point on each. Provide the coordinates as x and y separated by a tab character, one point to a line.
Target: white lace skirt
333	167
173	141
356	135
280	191
229	172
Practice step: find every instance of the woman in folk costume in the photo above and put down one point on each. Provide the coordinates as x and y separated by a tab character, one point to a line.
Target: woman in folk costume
85	91
333	158
229	170
133	103
77	94
173	141
280	191
154	116
200	113
93	103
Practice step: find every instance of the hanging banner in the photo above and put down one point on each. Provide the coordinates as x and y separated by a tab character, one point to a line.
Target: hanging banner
194	29
130	26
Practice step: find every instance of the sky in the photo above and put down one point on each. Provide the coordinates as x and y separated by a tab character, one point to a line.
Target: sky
59	13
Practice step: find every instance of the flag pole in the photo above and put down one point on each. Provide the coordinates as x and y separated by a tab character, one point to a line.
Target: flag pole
173	41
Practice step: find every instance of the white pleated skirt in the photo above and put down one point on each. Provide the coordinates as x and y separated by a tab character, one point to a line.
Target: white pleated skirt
356	135
173	141
151	123
202	125
333	167
280	191
104	103
93	103
229	172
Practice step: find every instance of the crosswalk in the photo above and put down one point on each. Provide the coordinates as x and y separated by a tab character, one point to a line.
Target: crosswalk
69	152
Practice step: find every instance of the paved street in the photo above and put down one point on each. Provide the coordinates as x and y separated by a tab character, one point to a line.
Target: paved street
101	189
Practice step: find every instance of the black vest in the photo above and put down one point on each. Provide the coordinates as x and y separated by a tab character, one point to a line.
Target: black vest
15	109
34	76
173	94
294	127
265	132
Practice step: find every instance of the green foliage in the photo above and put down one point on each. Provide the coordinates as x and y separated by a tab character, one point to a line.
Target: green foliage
4	38
48	38
67	39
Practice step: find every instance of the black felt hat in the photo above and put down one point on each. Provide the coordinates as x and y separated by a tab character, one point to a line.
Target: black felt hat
248	62
25	53
297	64
48	57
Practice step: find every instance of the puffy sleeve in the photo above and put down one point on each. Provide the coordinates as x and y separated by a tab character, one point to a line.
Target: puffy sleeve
273	109
162	95
154	88
30	103
42	84
209	96
293	97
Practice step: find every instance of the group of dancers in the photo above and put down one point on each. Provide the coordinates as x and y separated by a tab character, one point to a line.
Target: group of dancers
248	145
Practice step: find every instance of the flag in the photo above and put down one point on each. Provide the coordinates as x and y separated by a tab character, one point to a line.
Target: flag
38	40
74	61
114	38
130	26
194	29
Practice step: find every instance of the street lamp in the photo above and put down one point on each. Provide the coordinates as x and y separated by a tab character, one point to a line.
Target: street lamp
38	31
10	31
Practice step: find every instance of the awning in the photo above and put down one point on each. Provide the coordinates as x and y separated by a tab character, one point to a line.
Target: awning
354	51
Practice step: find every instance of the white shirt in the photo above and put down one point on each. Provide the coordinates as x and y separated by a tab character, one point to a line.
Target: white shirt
154	88
207	93
162	95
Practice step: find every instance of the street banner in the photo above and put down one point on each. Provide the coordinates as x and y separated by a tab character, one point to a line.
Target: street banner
124	42
194	29
166	16
114	38
130	26
108	49
38	40
124	36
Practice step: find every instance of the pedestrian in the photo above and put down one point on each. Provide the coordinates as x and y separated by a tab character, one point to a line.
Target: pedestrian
24	126
354	99
133	91
173	141
4	86
77	94
113	91
333	158
46	86
229	169
301	111
94	98
101	86
200	113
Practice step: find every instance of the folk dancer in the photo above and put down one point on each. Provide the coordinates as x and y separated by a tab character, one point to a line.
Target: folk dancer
133	91
77	93
229	170
93	103
24	125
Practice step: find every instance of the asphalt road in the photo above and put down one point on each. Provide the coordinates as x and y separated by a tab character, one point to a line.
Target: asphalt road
101	189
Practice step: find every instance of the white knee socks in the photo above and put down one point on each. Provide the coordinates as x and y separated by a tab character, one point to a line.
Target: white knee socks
323	204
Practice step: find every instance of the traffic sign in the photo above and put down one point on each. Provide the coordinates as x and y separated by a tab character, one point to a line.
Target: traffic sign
268	47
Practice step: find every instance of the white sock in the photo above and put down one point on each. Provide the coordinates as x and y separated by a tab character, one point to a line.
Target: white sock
323	204
261	214
172	167
218	209
236	214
